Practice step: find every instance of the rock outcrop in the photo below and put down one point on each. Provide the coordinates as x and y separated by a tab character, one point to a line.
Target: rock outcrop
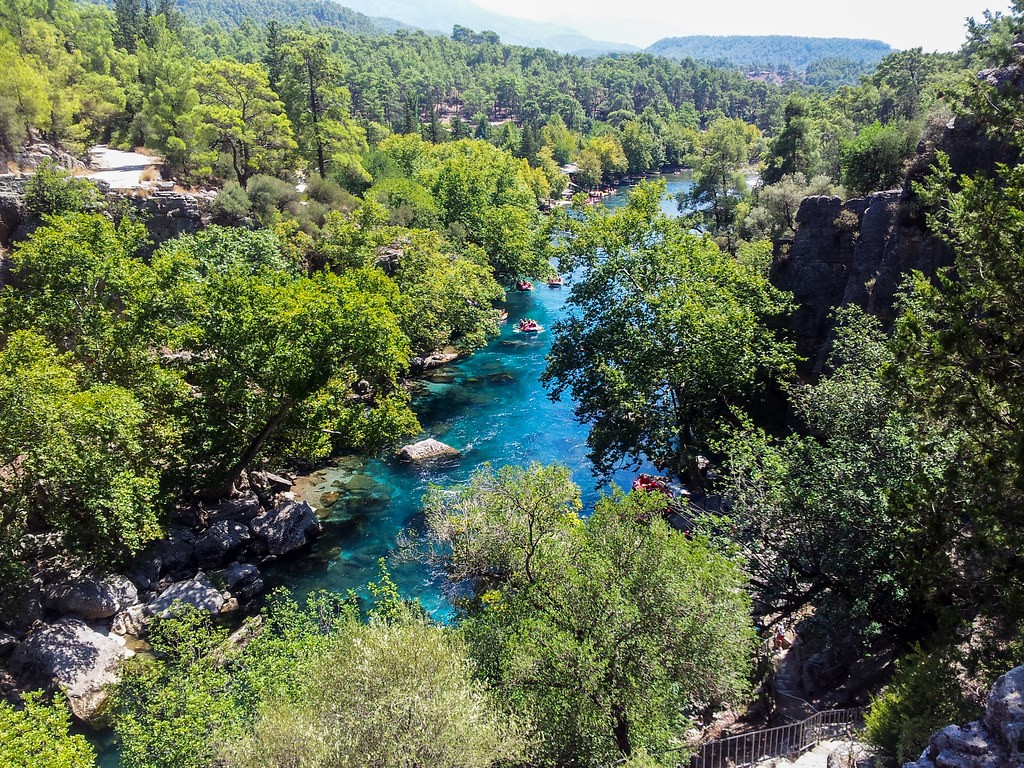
197	592
168	214
75	657
426	449
165	213
995	741
859	252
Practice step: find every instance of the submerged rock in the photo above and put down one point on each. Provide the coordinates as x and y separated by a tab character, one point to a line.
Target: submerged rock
426	449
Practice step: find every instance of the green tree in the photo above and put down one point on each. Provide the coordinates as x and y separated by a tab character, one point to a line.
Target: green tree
275	355
166	120
74	457
957	341
796	148
319	105
875	158
830	516
775	206
596	631
239	115
718	182
667	336
38	735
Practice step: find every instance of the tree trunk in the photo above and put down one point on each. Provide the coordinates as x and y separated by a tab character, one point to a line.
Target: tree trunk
314	111
621	730
251	451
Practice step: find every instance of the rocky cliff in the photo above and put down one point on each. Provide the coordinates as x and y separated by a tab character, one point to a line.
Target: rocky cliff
859	252
166	213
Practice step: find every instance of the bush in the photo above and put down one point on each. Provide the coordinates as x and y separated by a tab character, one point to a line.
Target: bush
268	195
38	735
875	158
331	194
51	190
231	204
925	695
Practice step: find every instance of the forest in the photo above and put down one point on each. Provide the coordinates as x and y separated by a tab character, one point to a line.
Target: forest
371	196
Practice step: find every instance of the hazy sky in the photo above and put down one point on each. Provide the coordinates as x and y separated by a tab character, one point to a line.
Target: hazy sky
935	25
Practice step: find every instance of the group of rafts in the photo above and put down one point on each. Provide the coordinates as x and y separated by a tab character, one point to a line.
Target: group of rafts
527	325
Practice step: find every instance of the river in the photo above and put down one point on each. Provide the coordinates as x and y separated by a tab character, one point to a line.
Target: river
492	408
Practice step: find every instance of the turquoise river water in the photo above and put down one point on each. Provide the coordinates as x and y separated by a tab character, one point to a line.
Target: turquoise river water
492	408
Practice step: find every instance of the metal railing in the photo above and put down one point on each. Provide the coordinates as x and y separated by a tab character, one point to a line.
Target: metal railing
785	741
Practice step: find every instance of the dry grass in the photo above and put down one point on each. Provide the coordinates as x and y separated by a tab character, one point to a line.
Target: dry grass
150	175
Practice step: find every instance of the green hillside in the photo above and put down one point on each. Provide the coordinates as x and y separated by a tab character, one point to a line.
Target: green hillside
775	50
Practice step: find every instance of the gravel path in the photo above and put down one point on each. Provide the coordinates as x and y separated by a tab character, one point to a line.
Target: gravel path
121	170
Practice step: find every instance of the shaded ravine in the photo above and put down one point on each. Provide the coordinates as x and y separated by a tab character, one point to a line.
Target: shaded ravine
492	408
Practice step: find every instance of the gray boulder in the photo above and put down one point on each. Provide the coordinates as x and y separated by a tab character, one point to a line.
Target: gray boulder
219	544
197	592
240	579
995	741
80	660
132	621
243	509
426	449
7	643
91	596
287	528
171	555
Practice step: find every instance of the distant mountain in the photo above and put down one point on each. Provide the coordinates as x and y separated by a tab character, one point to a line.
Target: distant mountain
317	13
797	53
442	15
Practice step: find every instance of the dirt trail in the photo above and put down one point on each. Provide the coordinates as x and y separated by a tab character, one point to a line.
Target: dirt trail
121	170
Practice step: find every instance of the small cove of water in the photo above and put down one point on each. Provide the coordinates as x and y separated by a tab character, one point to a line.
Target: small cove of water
492	408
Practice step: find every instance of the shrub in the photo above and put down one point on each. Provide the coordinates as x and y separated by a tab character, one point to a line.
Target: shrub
38	735
51	190
925	695
231	204
331	194
268	195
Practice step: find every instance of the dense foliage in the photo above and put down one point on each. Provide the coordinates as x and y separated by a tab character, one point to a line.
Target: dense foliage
607	634
667	339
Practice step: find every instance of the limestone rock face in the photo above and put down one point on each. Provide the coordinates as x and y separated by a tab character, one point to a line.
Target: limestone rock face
92	596
168	214
995	741
79	659
287	528
426	449
858	252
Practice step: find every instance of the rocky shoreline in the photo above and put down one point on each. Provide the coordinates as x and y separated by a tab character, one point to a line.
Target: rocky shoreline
75	625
